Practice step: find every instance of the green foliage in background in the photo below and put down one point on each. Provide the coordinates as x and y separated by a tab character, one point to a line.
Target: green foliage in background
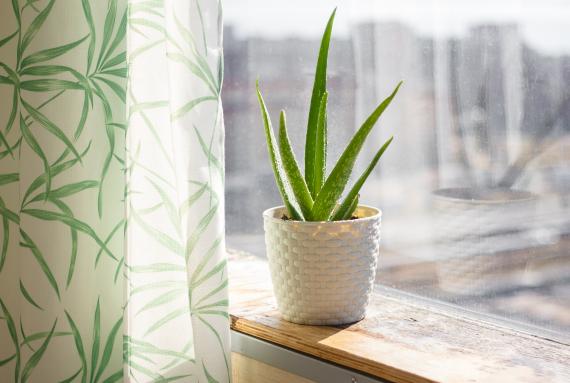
314	196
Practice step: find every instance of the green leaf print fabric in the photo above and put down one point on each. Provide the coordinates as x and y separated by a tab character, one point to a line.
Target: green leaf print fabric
112	262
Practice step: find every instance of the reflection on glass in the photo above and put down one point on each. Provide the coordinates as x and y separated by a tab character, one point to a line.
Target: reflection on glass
476	187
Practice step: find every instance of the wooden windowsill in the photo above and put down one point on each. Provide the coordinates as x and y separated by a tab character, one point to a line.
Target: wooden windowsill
398	341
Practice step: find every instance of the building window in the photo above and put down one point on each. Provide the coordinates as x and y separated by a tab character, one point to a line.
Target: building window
475	190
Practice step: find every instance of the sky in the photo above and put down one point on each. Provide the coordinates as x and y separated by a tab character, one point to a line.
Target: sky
545	24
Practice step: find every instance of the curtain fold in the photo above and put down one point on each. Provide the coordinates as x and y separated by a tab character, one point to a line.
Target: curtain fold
112	264
175	237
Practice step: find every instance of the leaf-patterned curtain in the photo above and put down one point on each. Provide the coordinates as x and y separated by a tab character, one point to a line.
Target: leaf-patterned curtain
112	262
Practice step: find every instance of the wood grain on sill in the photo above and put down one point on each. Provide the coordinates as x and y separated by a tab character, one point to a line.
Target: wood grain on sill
399	341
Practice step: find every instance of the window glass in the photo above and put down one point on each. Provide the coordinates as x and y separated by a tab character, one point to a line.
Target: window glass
475	189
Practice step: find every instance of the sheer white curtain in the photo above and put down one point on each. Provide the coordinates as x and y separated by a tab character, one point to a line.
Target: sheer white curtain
111	192
175	236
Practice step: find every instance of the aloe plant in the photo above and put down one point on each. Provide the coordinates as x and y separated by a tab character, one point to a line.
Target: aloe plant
314	196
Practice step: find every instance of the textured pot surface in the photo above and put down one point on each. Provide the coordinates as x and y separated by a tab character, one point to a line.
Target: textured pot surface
323	272
474	228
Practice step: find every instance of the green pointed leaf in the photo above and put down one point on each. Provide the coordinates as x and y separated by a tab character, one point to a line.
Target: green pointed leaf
352	195
6	144
96	339
74	246
202	63
92	35
115	229
180	112
211	157
9	178
205	260
8	38
199	230
171	209
68	190
13	112
35	27
116	88
35	146
119	37
37	356
5	236
72	377
13	335
116	377
71	222
119	72
186	205
28	243
292	171
4	153
163	299
54	171
220	343
195	69
83	119
146	23
50	70
41	335
220	267
159	285
346	210
162	238
28	297
107	30
16	9
336	182
224	303
321	147
7	360
51	127
280	178
8	214
108	350
51	53
106	164
208	376
78	345
157	268
167	318
115	60
319	87
48	85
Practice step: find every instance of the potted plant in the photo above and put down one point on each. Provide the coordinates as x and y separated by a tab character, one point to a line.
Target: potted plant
484	232
322	250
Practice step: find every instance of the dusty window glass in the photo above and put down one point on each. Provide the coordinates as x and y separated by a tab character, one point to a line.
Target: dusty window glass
475	190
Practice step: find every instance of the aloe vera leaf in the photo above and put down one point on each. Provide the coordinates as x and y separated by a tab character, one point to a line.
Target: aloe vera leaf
284	187
319	87
292	171
337	180
321	146
344	208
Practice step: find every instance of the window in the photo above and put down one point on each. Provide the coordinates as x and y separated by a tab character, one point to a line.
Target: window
475	190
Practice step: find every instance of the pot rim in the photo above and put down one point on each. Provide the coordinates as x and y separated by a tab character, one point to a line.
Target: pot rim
268	214
517	195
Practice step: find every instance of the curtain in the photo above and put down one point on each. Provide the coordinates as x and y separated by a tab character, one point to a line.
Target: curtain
112	262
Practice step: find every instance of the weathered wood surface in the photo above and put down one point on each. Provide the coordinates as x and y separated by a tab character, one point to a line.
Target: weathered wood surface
400	341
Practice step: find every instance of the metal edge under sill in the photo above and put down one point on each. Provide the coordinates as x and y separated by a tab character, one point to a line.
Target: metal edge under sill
294	362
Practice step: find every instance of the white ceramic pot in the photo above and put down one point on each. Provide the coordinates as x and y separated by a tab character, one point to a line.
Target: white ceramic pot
323	272
478	232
